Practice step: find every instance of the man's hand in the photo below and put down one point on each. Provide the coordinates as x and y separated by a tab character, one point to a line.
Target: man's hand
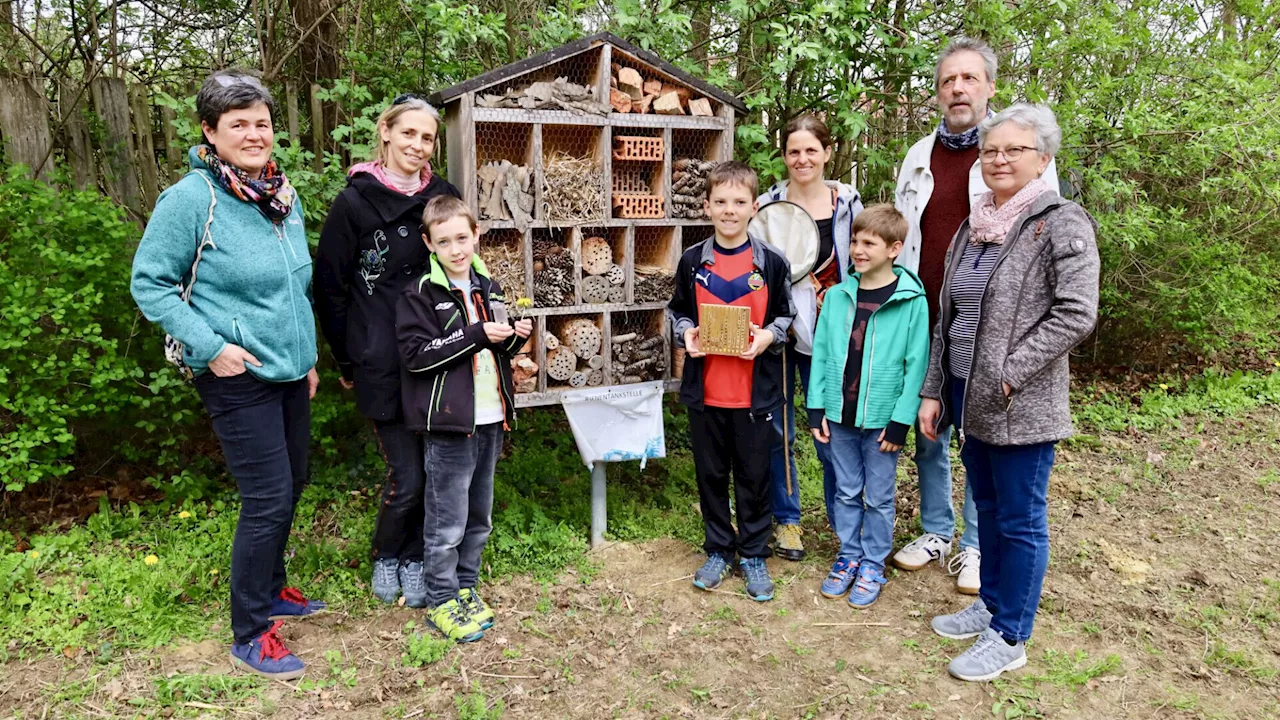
231	361
887	446
523	328
497	332
760	341
823	434
313	382
930	414
691	343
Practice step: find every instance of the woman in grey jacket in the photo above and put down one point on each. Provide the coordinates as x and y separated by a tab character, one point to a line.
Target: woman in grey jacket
1020	291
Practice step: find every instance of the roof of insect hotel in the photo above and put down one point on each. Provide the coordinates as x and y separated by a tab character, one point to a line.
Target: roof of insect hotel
622	51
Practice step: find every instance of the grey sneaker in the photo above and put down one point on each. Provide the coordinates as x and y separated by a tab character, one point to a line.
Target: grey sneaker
989	656
969	622
386	581
413	585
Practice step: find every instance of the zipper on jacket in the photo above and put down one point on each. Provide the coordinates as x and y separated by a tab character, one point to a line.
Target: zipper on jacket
864	387
288	277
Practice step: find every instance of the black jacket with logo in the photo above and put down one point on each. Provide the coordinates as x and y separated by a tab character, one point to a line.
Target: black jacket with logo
371	249
438	349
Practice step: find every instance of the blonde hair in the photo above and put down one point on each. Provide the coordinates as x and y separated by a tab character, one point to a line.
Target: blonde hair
443	208
389	117
883	220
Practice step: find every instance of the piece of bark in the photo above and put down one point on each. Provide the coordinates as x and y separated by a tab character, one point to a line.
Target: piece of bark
642	105
630	82
619	339
652	87
668	104
595	362
700	107
620	100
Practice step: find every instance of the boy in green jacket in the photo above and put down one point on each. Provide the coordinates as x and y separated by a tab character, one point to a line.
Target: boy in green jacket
870	354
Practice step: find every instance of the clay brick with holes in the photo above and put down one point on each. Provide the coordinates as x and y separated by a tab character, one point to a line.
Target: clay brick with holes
637	206
630	147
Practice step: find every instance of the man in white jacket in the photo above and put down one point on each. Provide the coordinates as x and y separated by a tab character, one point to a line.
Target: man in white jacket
938	183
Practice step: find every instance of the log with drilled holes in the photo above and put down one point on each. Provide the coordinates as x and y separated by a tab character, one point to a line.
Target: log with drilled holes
582	336
597	256
561	363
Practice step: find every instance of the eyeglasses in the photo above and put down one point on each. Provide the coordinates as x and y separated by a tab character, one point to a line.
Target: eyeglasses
229	80
406	97
1011	154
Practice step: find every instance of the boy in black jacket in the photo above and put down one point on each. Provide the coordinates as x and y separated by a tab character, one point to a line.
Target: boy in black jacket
732	399
457	391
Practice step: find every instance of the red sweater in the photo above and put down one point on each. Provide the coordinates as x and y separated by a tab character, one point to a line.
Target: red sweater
948	207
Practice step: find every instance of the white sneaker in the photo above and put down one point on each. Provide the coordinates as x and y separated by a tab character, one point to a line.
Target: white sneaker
966	565
922	551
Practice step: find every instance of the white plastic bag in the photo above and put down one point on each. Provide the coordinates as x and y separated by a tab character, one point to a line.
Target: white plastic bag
617	423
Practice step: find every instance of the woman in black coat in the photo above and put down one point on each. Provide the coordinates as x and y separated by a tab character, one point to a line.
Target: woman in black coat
370	249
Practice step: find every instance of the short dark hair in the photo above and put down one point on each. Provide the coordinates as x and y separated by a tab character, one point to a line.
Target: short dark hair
230	89
884	220
443	208
733	173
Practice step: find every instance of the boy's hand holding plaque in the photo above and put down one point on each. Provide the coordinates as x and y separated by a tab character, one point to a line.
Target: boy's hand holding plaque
724	329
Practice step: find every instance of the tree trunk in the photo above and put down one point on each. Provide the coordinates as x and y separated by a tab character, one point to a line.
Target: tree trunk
701	31
318	53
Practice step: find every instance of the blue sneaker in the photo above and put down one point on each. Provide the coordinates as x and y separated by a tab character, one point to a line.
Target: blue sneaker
840	578
291	603
712	573
759	584
413	585
867	589
386	579
267	656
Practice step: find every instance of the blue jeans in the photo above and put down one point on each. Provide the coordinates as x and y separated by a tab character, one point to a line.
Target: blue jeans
786	507
1010	486
265	432
937	515
863	507
458	496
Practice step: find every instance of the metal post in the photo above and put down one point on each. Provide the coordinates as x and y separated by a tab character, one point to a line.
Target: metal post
599	519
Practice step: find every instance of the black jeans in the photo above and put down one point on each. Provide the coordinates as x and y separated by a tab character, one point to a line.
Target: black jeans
459	506
734	441
398	530
265	430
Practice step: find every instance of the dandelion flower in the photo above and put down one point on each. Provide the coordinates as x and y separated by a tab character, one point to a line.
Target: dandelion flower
151	560
1163	386
184	514
1276	363
33	554
213	571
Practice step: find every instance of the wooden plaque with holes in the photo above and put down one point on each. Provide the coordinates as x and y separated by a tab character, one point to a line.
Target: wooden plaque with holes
724	329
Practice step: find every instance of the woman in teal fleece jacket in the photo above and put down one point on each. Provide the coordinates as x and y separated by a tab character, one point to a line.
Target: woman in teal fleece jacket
224	268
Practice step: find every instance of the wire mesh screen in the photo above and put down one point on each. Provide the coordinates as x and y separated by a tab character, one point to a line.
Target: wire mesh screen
656	255
574	189
575	347
503	253
575	92
554	283
639	347
694	234
505	172
603	252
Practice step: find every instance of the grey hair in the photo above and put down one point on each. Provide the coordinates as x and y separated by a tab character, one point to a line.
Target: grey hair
231	89
1038	118
990	63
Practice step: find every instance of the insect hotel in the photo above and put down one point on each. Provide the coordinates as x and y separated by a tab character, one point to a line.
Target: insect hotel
587	165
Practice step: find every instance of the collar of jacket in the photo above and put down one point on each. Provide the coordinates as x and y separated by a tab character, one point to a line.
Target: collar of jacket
391	205
436	274
1047	201
845	194
909	285
757	251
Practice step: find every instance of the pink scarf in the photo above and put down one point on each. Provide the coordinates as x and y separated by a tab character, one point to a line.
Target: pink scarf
382	175
989	224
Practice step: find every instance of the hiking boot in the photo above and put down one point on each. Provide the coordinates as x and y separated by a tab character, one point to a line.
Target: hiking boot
712	573
413	584
759	584
788	545
842	575
267	656
969	622
867	588
989	656
386	579
291	603
478	609
922	551
452	620
966	566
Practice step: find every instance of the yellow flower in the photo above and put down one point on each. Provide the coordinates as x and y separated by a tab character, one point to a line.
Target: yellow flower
213	571
184	514
150	560
1276	363
525	302
33	554
1163	386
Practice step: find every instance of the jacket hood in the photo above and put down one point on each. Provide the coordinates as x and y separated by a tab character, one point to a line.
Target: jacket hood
193	159
909	284
778	191
390	204
437	274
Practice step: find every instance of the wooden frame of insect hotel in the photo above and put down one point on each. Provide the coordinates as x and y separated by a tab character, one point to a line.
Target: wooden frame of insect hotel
586	166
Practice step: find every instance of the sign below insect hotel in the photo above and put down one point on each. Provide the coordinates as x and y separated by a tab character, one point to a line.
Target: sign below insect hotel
586	167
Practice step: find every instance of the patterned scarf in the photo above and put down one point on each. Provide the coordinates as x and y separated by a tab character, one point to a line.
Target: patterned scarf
989	224
272	193
379	172
959	141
